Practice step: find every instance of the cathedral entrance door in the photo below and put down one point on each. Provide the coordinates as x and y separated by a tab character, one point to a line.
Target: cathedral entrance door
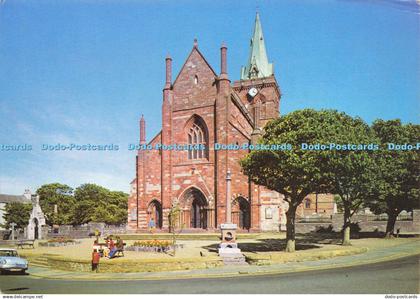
198	214
244	213
195	206
36	232
155	211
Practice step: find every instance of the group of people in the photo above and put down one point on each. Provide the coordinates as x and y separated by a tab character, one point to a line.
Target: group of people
110	248
107	250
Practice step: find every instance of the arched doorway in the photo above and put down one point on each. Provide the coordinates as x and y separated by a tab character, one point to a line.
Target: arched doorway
241	213
154	210
198	214
36	229
244	214
195	206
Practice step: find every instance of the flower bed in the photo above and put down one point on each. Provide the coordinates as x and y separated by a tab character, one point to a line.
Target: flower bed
153	246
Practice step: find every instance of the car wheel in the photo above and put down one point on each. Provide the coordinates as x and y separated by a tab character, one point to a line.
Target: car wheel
23	272
2	271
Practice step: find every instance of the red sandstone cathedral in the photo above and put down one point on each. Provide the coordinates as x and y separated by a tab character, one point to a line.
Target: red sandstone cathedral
202	108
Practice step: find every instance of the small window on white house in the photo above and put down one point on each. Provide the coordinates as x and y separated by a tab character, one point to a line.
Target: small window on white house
268	213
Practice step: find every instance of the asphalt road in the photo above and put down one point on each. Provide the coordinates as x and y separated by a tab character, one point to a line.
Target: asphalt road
398	276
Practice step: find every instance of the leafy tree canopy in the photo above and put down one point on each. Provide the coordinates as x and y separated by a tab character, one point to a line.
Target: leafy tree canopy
297	172
351	172
87	203
18	213
98	204
398	177
57	203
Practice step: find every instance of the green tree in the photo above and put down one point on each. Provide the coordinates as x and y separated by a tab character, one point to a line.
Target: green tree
98	204
397	185
17	212
57	197
297	172
175	225
352	172
90	199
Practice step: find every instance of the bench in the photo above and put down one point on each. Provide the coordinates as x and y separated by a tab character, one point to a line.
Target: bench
120	250
29	243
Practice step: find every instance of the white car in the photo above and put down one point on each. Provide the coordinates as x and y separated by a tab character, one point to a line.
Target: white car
10	261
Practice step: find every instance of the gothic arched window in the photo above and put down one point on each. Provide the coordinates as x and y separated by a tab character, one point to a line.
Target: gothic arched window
197	140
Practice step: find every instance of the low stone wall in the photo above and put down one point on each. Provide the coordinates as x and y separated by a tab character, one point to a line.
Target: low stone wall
83	231
129	266
57	244
366	223
304	228
19	234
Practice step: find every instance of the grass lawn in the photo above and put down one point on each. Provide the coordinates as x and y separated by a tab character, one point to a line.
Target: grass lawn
268	243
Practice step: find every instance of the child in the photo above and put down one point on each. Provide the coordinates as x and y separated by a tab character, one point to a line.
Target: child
106	252
95	260
96	245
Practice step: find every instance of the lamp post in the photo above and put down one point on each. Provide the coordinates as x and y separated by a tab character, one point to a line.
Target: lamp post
228	195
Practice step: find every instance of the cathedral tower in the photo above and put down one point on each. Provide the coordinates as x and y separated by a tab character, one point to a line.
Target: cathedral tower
258	87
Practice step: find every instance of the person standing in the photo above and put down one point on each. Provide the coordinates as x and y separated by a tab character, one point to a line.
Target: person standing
95	260
96	245
152	225
112	249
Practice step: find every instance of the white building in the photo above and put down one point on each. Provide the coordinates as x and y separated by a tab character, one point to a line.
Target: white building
36	219
7	198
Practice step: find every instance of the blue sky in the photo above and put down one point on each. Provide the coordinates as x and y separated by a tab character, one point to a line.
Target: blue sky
84	71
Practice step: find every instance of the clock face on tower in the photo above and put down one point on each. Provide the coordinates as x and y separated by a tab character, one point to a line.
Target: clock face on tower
253	92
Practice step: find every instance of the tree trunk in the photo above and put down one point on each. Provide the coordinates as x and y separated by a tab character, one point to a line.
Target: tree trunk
290	228
174	242
390	224
346	227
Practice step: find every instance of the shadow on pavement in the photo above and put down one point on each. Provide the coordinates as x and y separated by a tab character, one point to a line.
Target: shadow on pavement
265	245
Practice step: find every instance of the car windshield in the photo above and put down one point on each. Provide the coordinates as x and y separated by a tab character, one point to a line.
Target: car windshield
8	253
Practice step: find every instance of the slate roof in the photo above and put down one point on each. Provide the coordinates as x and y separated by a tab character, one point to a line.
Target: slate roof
7	198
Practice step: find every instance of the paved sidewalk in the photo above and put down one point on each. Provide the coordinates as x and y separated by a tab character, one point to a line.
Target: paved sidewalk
371	256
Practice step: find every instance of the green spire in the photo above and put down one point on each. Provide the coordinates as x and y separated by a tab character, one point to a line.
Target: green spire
258	66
